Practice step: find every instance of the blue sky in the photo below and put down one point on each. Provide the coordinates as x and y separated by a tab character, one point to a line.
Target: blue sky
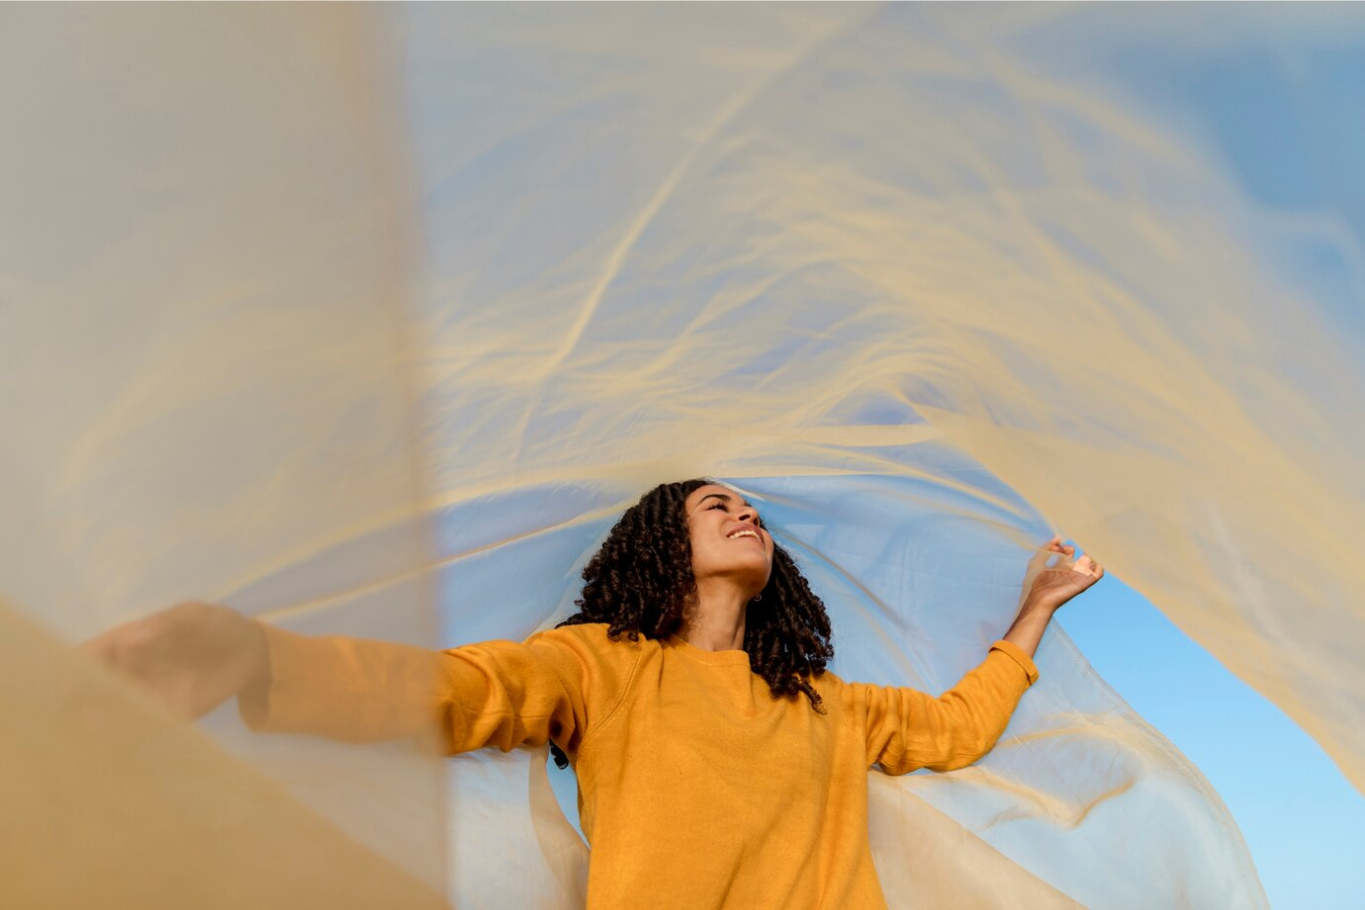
1304	823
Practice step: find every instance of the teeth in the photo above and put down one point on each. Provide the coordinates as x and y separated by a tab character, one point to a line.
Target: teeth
743	533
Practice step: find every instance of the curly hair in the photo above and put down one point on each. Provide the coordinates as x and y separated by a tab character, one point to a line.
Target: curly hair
639	580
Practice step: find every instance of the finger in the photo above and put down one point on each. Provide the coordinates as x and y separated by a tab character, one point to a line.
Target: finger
1041	556
1089	567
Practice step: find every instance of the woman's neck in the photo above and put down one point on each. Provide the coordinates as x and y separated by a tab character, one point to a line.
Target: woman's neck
713	618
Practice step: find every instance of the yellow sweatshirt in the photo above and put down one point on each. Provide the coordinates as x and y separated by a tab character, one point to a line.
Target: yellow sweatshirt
697	789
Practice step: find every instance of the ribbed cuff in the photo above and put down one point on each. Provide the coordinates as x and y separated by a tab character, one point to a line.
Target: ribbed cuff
1022	659
259	706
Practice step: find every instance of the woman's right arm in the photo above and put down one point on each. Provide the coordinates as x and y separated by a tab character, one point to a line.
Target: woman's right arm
500	693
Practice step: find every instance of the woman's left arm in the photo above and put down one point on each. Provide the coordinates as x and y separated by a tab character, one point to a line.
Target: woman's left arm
907	729
1046	588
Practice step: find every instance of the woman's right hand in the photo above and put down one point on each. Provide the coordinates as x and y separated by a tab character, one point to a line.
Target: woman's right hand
192	657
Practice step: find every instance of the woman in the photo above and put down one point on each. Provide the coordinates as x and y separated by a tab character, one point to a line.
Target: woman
719	763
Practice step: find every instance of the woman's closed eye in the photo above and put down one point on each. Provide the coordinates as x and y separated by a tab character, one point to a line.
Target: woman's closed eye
724	506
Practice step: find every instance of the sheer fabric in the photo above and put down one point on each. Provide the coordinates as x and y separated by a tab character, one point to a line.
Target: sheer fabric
373	321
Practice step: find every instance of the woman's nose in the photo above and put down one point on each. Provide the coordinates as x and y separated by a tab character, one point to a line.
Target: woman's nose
749	514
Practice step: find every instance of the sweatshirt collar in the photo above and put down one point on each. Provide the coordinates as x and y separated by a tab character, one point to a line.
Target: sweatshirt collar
710	658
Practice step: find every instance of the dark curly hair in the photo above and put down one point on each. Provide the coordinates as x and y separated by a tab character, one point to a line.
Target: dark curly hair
639	579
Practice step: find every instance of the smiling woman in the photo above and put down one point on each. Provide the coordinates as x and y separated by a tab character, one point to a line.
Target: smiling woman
681	561
675	691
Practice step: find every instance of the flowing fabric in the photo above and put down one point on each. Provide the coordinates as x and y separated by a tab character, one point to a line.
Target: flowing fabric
373	321
203	271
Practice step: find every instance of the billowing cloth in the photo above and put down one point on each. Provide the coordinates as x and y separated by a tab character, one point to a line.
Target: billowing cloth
371	322
201	271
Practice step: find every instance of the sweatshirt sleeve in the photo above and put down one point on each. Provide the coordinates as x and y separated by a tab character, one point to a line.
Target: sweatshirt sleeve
495	693
907	729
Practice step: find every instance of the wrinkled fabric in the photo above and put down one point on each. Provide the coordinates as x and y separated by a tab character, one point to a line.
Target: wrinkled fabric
372	321
201	275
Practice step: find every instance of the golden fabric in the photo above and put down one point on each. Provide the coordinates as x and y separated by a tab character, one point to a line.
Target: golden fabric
369	322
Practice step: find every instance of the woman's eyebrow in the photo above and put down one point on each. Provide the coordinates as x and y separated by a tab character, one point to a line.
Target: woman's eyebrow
725	496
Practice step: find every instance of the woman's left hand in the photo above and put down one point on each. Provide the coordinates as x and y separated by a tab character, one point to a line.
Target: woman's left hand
1055	585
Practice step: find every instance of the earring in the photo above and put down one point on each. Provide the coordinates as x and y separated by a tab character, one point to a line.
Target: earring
757	597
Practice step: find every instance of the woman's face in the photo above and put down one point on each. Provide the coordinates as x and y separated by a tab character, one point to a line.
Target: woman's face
728	540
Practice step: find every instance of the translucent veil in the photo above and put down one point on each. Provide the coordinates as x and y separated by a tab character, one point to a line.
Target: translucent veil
205	262
373	322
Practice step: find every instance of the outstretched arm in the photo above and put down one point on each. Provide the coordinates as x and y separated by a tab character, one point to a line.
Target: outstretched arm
193	657
907	729
495	693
